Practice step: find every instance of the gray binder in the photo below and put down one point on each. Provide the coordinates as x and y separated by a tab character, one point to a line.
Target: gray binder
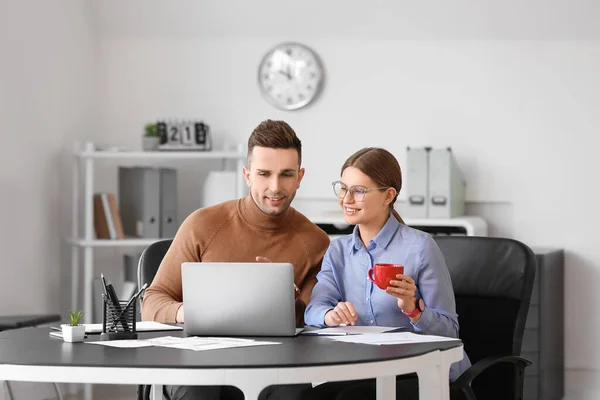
446	185
417	185
139	201
168	203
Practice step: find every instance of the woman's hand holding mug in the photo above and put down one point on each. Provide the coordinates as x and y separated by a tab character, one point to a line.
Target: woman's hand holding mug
404	289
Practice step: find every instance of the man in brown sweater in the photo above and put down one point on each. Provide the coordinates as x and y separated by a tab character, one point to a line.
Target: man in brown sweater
262	225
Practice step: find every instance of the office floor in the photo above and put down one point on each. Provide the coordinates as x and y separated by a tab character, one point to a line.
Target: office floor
127	392
44	391
112	392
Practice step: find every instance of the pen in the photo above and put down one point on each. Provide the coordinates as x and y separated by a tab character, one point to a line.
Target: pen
131	300
296	289
116	306
103	283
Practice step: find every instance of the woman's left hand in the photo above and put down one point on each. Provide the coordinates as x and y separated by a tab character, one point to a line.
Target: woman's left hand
404	290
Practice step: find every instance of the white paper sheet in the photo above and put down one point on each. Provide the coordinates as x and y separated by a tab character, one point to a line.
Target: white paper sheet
350	330
186	343
197	343
122	343
392	338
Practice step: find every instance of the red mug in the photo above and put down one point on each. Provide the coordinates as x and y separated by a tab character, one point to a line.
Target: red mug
384	273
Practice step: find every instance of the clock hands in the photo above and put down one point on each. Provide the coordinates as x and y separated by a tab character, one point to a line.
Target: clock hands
287	73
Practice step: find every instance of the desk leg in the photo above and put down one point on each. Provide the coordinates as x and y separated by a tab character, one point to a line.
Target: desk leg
250	382
386	387
156	393
434	382
88	391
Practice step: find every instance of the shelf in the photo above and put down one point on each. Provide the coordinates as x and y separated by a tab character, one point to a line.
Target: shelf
131	242
470	225
162	155
82	241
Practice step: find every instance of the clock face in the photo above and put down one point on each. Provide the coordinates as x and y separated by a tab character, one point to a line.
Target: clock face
290	76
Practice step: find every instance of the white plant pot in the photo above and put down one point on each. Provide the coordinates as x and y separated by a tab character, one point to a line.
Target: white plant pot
150	143
73	333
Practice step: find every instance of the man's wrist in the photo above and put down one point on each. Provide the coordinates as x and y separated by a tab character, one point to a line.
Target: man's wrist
296	291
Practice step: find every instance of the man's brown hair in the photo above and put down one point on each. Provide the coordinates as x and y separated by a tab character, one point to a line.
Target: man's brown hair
274	135
381	166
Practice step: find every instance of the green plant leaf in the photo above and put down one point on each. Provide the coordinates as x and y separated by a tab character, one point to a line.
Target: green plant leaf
151	130
75	317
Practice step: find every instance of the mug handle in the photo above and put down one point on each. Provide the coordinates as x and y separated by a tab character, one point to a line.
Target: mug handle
370	276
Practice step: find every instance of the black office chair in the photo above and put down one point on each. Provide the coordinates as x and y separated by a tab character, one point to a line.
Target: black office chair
492	280
150	260
148	266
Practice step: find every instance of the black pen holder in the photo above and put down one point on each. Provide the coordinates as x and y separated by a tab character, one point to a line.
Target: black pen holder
118	321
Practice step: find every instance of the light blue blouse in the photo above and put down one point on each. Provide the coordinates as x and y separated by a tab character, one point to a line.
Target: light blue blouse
343	277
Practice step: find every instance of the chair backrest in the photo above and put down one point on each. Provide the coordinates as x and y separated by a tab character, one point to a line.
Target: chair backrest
150	260
492	280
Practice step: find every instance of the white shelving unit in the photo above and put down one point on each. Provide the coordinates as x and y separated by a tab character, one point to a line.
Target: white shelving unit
83	166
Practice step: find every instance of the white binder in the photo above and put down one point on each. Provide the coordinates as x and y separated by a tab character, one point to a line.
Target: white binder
446	185
219	186
139	201
417	182
168	203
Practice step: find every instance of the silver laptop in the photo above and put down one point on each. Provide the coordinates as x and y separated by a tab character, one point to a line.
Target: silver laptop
238	299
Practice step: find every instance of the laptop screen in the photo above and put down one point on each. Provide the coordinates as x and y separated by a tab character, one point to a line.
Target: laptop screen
238	299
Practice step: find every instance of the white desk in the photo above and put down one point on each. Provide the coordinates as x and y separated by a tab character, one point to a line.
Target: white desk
31	355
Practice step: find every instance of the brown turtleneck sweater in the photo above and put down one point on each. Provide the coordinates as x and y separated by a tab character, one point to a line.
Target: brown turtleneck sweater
237	231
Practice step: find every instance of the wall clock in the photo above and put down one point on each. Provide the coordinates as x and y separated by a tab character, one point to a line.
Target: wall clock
290	76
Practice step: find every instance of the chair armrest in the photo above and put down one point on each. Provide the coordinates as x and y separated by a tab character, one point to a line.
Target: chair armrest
462	384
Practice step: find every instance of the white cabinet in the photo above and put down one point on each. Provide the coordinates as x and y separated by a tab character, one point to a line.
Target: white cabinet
327	214
83	240
462	226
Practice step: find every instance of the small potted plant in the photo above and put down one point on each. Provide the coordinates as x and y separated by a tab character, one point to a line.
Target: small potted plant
151	138
73	331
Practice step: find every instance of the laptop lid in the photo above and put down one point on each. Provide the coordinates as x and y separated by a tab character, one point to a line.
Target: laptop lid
238	299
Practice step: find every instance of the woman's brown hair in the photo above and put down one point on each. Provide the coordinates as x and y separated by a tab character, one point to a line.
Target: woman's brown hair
382	167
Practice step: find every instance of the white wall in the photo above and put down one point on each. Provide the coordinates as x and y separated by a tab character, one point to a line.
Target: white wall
512	87
47	99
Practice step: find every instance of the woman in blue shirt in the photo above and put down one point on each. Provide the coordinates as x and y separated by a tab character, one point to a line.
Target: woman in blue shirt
422	299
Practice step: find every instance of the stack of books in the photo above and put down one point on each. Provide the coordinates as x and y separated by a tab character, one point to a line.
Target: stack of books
107	220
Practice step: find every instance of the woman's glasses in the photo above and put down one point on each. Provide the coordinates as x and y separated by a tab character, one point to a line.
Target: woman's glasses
356	192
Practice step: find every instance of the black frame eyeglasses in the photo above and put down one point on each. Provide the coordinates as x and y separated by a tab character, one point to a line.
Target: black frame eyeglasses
356	192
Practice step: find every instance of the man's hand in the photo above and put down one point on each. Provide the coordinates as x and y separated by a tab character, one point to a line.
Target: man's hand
179	316
343	313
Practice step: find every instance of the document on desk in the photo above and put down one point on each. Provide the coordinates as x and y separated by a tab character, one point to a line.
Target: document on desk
186	343
123	344
392	338
350	330
197	343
